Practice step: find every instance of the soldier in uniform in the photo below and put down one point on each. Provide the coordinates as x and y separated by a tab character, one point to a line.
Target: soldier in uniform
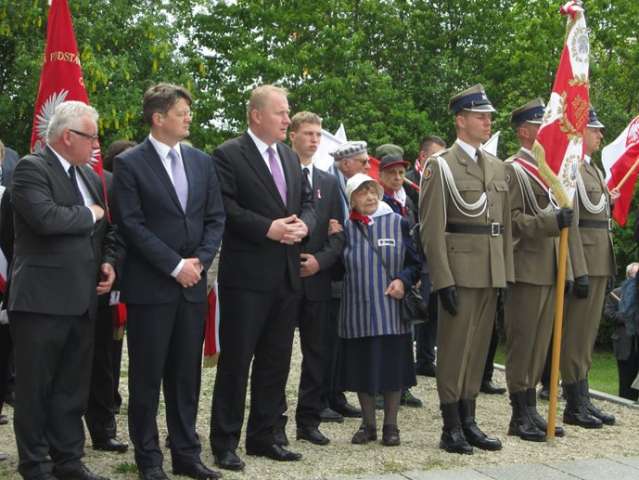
466	234
593	263
529	311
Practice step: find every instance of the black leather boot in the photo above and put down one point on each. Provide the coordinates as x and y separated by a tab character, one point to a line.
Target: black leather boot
453	440
521	424
575	412
531	406
606	418
471	430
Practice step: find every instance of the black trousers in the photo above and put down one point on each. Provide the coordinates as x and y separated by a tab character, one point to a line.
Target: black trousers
53	364
165	348
255	327
312	326
426	335
100	416
628	370
6	347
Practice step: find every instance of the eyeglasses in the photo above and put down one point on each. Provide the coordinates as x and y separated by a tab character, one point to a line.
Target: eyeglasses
93	138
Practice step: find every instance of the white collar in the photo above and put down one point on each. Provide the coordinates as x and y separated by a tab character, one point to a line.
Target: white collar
466	147
162	148
261	146
65	164
587	159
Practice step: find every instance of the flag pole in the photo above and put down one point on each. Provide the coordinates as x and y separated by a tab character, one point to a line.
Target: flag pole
557	327
627	175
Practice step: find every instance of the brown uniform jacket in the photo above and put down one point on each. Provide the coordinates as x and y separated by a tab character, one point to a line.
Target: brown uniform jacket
535	237
462	259
591	251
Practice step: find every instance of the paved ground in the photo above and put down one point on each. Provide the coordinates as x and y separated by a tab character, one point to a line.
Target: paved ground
617	468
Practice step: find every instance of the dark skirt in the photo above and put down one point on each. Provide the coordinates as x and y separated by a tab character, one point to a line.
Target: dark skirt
376	364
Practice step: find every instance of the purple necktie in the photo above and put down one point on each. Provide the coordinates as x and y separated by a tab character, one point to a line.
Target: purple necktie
180	183
278	175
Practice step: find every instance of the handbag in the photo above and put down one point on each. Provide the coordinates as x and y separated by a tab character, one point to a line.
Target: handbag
413	309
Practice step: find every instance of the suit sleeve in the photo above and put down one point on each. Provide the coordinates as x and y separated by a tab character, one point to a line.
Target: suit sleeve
214	219
433	227
130	219
33	201
332	249
252	226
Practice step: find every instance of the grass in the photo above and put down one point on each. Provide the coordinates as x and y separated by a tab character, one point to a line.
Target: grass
603	374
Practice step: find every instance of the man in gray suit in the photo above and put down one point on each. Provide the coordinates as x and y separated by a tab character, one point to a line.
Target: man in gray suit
63	247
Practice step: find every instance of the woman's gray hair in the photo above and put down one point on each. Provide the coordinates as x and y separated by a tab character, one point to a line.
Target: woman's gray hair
68	115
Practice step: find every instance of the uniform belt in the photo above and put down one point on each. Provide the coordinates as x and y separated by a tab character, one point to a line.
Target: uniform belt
603	224
492	229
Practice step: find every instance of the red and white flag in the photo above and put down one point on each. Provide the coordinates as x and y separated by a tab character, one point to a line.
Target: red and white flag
559	145
618	159
212	329
61	78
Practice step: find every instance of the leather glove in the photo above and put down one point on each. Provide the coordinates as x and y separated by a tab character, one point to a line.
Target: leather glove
570	285
448	297
564	217
581	286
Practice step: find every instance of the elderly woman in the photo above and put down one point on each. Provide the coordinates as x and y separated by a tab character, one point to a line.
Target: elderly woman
380	264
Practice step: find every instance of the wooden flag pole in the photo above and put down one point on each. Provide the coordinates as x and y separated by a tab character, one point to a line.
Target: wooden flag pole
627	175
556	342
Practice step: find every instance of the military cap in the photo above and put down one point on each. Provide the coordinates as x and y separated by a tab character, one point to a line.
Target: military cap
392	160
349	149
389	149
357	181
532	112
473	99
593	120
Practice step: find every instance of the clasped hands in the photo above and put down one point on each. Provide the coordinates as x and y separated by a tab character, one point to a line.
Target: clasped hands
289	230
191	272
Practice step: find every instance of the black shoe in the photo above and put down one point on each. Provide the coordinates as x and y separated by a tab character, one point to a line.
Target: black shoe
454	441
364	435
531	406
110	445
75	471
491	389
3	420
347	410
312	434
427	370
279	437
274	452
410	400
390	435
153	473
329	415
521	425
576	412
228	460
196	470
606	418
472	432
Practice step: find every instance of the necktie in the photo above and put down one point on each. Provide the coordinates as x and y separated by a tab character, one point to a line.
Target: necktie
180	183
278	175
74	184
308	189
480	160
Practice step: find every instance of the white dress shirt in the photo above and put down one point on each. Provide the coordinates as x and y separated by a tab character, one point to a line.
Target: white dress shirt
263	149
469	149
84	190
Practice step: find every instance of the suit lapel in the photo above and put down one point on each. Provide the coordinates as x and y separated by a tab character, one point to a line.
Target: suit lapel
256	162
469	163
153	159
489	170
97	198
62	177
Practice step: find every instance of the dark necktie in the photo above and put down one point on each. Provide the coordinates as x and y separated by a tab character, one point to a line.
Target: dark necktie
79	200
308	189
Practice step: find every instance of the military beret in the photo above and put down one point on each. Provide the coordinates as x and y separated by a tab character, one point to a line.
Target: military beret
389	149
349	149
473	99
593	120
532	112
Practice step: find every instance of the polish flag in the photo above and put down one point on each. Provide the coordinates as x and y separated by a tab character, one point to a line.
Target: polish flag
212	329
618	159
559	146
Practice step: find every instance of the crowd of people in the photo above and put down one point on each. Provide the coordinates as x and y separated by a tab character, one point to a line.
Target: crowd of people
336	254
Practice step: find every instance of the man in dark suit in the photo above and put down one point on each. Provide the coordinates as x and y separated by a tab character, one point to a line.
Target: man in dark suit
319	254
62	243
168	206
268	213
7	166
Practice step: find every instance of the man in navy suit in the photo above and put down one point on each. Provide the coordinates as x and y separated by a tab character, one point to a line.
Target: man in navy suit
168	206
269	211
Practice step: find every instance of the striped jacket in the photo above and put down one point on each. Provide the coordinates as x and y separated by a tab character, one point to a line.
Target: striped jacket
365	311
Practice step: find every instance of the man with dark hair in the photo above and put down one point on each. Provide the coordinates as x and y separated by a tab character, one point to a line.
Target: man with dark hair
269	211
429	146
464	207
168	206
